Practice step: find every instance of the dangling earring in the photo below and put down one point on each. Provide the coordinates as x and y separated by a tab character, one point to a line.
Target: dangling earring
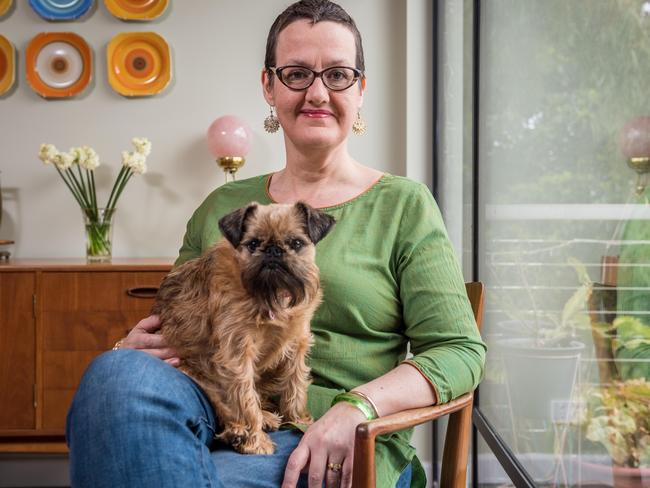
359	125
271	122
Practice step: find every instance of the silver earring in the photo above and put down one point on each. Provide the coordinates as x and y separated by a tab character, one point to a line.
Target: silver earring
271	122
359	125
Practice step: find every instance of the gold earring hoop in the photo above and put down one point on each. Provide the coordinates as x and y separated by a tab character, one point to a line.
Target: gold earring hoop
271	122
359	125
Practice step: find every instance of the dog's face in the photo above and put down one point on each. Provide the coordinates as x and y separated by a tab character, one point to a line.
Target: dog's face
275	245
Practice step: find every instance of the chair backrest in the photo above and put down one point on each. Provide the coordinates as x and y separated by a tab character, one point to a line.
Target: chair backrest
602	312
459	427
475	291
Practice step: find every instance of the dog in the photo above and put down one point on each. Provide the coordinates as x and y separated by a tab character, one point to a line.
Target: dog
239	316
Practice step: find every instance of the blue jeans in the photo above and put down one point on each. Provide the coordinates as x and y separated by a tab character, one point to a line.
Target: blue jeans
135	421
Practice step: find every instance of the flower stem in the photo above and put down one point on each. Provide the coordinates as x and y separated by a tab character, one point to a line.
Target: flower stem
122	185
91	175
110	204
81	179
70	187
76	183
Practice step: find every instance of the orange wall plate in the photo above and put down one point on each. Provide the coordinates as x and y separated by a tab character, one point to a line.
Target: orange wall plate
138	64
136	9
58	64
5	5
7	65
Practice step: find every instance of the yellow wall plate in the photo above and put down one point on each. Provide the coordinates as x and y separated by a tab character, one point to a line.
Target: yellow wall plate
7	65
138	64
136	9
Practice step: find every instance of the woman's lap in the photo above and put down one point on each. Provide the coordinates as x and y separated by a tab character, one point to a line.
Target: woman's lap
136	421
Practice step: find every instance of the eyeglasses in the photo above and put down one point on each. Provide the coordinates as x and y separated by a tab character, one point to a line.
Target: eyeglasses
336	78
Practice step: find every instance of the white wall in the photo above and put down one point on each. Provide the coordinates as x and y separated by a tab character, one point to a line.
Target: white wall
217	54
218	51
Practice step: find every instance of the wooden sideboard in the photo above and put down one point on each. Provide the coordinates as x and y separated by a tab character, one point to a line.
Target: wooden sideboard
55	317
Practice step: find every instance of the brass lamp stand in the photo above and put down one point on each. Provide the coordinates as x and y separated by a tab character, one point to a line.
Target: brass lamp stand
230	165
642	167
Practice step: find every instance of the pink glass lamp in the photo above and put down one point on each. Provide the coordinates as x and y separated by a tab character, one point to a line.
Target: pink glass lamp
635	146
229	140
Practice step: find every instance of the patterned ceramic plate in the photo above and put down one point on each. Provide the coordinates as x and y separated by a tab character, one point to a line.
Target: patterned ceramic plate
61	9
5	5
138	64
136	9
7	65
58	64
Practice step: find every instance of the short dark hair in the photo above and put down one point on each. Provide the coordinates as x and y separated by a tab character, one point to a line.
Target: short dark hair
315	11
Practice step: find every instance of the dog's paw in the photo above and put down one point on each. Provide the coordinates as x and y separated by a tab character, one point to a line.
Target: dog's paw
257	443
270	420
233	434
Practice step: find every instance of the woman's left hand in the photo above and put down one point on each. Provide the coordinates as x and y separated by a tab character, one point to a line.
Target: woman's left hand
328	441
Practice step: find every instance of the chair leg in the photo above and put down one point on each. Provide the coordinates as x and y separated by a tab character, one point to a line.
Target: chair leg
363	470
454	458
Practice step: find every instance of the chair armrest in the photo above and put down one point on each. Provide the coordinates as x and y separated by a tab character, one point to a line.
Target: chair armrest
410	418
364	444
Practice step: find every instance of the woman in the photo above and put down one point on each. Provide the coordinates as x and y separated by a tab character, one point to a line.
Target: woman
389	276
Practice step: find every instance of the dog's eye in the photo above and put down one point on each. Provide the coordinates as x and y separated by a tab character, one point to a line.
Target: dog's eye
296	244
252	245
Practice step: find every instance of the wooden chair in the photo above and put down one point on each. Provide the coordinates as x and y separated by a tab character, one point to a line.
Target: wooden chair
602	312
457	439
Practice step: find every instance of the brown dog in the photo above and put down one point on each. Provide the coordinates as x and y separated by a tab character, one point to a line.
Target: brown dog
238	317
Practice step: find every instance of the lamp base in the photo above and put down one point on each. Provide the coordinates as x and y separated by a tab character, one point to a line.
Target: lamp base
642	167
230	165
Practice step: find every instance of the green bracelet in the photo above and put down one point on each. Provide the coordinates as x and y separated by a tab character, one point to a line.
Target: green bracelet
358	402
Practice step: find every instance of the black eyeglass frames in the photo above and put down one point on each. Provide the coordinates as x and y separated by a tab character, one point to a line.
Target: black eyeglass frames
336	78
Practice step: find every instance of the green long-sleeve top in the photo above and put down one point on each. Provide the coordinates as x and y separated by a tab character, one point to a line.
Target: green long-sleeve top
632	297
390	278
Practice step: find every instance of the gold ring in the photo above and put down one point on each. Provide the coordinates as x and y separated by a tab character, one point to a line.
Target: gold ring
336	467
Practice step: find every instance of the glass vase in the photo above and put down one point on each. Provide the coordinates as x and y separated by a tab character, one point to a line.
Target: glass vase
98	224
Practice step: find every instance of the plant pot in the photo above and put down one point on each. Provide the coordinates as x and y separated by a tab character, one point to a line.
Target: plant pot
522	328
539	379
621	476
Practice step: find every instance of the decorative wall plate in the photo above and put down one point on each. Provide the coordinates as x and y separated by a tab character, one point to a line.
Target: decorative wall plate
136	9
58	64
138	64
5	5
61	9
7	65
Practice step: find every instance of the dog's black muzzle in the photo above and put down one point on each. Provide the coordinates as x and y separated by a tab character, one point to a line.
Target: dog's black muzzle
273	256
273	252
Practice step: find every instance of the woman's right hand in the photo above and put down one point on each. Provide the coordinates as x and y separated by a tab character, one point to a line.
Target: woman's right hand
144	338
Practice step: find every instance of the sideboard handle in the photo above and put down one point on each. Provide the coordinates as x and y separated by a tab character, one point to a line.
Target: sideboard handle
142	291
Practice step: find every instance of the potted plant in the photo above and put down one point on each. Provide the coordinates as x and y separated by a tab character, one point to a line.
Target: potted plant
617	416
545	353
77	170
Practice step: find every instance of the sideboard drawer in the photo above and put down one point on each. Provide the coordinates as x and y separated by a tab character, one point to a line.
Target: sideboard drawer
97	291
17	351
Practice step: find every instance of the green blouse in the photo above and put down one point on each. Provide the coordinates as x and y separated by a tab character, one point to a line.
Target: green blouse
390	278
632	297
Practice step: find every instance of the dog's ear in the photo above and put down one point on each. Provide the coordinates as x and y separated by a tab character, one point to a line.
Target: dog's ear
233	225
317	223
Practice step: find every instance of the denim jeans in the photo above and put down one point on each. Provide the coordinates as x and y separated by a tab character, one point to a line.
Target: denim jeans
135	421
